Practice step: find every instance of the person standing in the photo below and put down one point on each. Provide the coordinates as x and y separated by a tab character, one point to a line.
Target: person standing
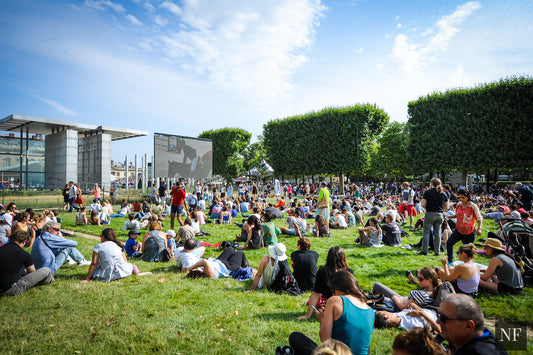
163	192
323	201
113	193
13	259
433	201
178	202
467	213
71	195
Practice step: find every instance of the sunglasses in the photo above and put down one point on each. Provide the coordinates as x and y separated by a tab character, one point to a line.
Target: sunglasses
420	278
444	319
56	229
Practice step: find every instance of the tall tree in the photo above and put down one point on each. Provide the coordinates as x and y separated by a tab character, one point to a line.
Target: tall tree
475	129
326	142
389	157
229	147
255	154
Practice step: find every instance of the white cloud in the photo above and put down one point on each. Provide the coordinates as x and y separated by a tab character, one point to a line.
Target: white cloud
399	25
173	8
133	20
104	4
412	57
160	21
60	108
250	47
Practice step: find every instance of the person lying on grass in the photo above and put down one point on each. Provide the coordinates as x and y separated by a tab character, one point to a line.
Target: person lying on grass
190	261
429	282
109	260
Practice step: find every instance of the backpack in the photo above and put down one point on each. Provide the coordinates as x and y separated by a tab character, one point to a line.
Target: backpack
285	281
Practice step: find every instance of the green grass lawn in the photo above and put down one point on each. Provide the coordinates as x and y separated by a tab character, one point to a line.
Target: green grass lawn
167	313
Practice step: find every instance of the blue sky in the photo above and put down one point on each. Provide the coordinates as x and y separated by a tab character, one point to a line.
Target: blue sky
182	67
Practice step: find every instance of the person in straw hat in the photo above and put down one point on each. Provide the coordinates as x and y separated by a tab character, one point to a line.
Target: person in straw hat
503	274
268	267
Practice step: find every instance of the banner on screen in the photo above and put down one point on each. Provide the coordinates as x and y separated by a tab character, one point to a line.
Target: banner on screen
182	157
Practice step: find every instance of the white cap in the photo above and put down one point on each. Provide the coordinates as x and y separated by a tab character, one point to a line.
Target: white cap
171	232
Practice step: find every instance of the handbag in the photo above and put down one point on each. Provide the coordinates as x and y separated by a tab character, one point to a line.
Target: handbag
323	203
166	253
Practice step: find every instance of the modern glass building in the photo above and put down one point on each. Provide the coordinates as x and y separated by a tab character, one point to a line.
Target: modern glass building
40	152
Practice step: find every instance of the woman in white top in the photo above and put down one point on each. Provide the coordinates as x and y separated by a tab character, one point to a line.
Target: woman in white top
268	270
109	259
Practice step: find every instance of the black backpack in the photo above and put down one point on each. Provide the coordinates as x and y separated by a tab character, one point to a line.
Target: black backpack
285	281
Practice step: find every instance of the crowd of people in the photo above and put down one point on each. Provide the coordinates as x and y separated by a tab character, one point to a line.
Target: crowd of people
377	217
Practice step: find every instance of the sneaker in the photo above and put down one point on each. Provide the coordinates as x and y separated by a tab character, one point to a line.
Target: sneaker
70	261
404	223
84	263
422	253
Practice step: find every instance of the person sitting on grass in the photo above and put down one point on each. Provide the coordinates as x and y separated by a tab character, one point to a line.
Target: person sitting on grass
185	232
13	259
109	260
154	242
346	317
268	267
131	223
251	234
392	235
503	273
133	247
335	261
171	235
81	217
22	222
51	250
270	231
295	225
339	222
124	210
321	227
304	264
370	235
464	277
225	215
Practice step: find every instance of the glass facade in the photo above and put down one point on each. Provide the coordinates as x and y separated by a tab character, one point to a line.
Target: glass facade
10	160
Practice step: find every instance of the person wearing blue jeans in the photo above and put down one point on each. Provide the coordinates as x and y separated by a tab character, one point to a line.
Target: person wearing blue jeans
433	201
13	259
51	250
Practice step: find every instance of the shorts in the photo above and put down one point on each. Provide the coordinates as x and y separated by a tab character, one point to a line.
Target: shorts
410	209
291	232
176	210
220	269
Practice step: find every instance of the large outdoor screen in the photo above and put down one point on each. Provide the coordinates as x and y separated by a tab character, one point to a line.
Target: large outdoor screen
182	157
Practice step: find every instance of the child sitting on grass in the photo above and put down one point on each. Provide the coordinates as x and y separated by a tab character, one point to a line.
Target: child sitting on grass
171	242
133	247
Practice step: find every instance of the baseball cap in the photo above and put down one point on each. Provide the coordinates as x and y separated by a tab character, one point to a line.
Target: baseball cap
134	231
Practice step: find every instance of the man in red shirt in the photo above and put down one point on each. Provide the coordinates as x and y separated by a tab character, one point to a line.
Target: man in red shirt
178	202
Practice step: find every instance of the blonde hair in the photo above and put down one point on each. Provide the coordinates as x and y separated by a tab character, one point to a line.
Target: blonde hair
332	347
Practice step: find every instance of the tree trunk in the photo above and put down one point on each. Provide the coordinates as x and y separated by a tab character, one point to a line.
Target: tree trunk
443	176
341	183
464	175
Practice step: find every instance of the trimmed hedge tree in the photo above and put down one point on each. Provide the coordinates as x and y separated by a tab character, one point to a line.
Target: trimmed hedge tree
476	129
324	142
